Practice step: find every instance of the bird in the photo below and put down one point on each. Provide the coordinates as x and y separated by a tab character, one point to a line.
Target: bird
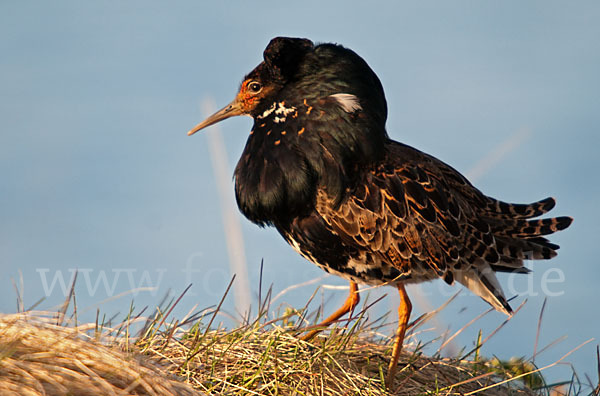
319	166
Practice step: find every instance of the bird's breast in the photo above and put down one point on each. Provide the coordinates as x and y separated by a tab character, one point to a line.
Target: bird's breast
274	180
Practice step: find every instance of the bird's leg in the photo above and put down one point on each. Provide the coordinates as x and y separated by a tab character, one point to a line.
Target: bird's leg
403	316
349	304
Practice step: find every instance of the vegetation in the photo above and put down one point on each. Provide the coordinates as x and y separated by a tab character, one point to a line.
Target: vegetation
46	354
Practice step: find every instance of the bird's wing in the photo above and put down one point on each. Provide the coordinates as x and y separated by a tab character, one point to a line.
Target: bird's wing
406	216
423	217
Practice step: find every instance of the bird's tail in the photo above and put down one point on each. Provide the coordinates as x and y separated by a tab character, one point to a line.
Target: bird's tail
517	237
483	282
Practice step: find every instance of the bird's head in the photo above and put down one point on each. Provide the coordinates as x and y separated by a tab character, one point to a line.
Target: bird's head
294	68
281	59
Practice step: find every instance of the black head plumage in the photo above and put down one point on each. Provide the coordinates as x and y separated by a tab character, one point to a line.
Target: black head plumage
283	56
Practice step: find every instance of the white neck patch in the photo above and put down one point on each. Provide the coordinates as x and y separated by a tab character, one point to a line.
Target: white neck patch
268	111
348	102
280	111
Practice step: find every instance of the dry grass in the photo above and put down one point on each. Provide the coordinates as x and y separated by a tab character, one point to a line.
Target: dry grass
39	358
261	357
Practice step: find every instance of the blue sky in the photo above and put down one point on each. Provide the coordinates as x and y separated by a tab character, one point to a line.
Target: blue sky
98	173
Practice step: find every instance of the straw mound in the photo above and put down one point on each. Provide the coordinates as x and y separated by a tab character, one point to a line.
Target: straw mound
38	358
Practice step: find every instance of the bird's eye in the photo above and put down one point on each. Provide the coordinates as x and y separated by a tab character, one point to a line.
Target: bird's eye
254	86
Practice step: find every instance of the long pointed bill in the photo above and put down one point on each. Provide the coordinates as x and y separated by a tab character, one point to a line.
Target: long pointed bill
232	109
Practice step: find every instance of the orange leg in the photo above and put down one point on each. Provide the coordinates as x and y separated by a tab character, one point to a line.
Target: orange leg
403	315
349	304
